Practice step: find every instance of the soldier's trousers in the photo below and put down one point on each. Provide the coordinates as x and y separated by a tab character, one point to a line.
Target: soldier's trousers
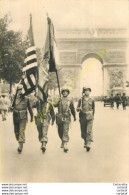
19	130
63	129
86	130
124	105
43	130
112	104
3	113
117	105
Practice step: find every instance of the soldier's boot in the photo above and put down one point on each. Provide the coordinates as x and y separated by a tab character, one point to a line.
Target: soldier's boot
20	148
65	147
2	116
43	148
84	144
88	147
62	145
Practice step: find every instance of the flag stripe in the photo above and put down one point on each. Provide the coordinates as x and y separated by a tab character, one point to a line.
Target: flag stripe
32	76
30	81
30	66
28	58
32	70
24	86
31	53
30	49
31	61
42	92
28	86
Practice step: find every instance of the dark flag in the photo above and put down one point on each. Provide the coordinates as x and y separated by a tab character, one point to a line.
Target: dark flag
51	41
48	64
30	64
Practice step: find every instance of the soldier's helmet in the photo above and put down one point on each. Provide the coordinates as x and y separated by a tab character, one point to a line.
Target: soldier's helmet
86	88
3	95
65	89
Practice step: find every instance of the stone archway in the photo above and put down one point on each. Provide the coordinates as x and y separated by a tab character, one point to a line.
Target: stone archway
76	45
92	55
92	73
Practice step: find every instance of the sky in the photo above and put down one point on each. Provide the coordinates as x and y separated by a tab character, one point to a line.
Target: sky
64	14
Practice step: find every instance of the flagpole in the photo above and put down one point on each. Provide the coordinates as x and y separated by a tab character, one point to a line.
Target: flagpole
58	83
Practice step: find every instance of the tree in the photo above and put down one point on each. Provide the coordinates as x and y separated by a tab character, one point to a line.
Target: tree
12	52
65	78
127	83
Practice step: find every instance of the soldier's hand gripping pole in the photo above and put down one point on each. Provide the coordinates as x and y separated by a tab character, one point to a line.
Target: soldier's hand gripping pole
13	103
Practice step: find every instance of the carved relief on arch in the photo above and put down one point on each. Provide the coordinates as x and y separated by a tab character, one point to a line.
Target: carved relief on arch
116	78
68	57
115	56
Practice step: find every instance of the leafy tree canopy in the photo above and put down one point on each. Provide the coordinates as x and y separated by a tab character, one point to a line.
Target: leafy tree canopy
12	51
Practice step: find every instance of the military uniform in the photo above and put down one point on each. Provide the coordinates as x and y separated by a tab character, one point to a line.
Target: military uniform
20	106
3	107
20	117
118	100
124	101
112	101
45	113
86	109
63	118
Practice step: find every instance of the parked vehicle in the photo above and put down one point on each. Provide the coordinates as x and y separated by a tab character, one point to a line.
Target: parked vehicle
107	101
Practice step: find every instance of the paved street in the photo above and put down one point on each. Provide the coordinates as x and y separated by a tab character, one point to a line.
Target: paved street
107	161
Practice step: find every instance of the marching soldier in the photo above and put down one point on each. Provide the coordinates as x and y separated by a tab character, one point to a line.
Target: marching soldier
112	101
3	106
63	118
118	100
20	105
86	109
124	101
45	113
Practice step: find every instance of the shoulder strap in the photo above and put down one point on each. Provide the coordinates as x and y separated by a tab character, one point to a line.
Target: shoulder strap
69	101
81	103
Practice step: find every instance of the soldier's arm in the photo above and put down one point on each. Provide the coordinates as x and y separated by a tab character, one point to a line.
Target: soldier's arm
30	109
79	105
56	103
93	107
14	99
52	113
73	112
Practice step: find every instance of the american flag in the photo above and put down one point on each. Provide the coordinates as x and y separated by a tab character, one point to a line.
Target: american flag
30	64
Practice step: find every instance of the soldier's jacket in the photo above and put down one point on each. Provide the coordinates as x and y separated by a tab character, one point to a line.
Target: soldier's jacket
44	111
20	109
111	99
118	99
86	107
124	101
124	98
66	107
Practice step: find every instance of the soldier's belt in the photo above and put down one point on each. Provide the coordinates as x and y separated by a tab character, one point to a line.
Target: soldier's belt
17	111
87	112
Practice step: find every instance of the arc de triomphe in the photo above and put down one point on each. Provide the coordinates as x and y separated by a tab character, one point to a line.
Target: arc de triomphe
109	46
